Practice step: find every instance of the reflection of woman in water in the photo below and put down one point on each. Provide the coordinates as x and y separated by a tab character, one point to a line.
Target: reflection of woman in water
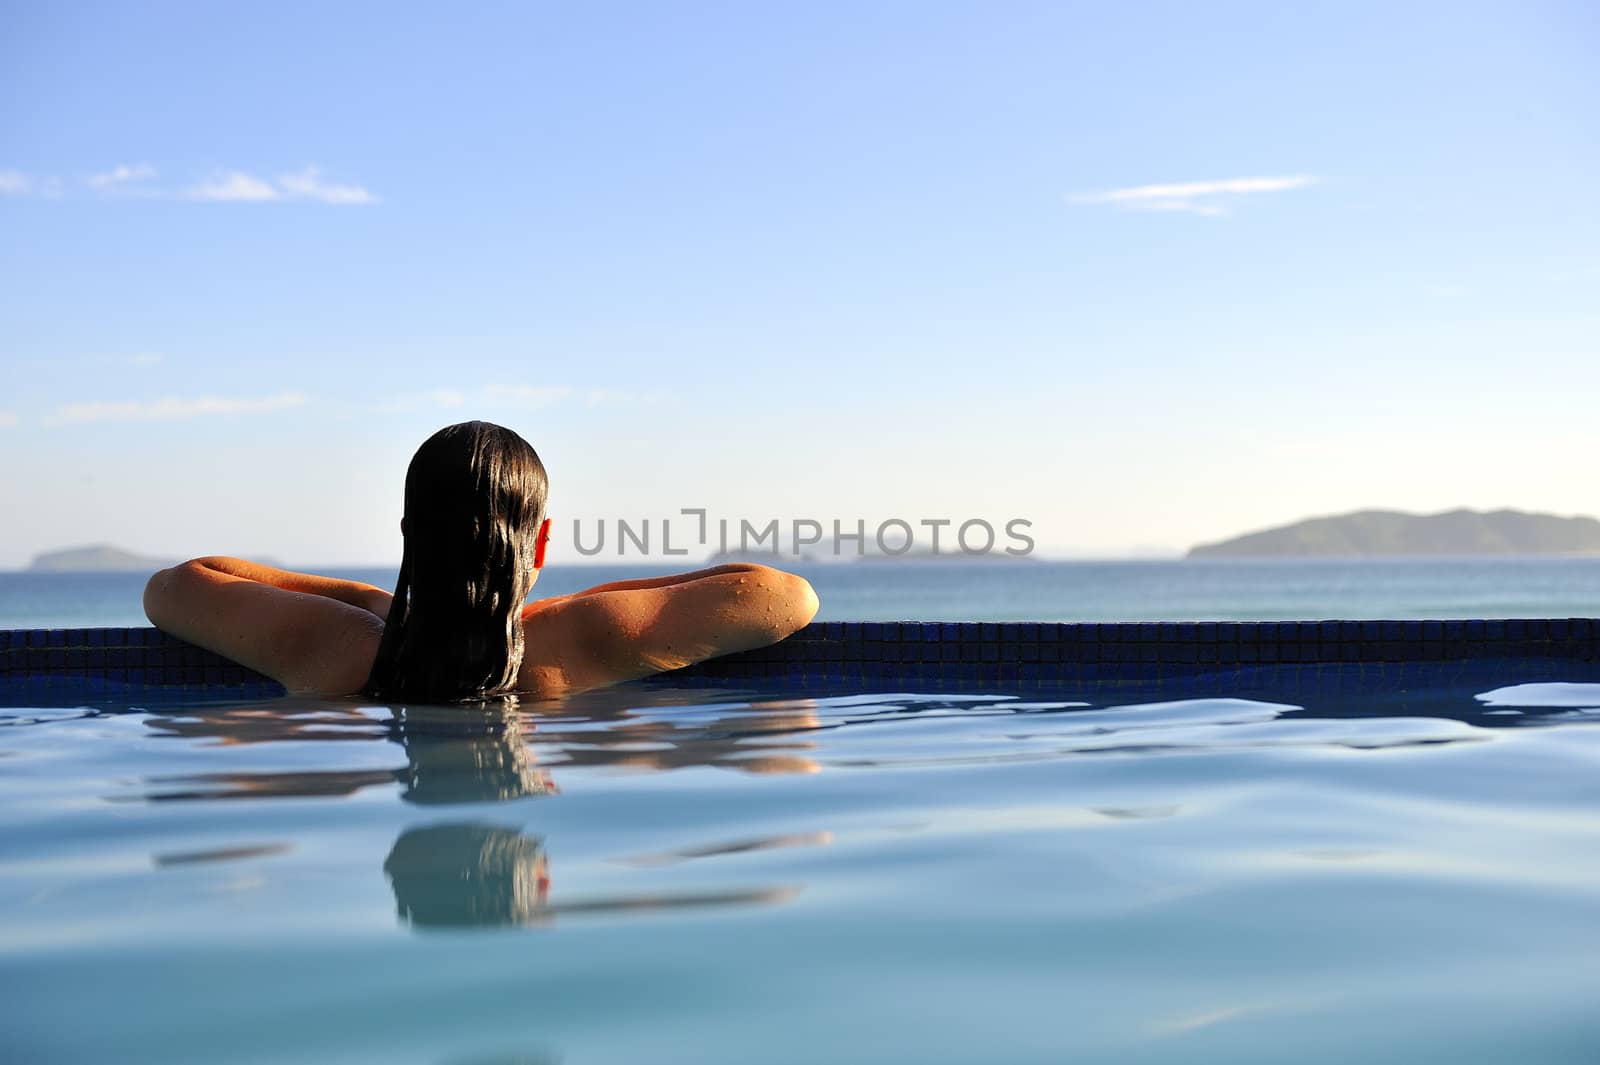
456	626
467	874
454	874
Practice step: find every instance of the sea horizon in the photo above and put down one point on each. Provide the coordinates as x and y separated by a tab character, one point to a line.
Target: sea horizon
1046	590
685	563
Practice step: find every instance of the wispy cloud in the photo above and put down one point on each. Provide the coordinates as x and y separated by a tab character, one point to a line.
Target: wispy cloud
146	358
7	419
172	407
121	176
236	186
232	186
308	185
1194	197
225	186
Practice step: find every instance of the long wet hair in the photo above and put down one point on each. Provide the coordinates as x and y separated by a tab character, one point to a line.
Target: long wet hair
475	498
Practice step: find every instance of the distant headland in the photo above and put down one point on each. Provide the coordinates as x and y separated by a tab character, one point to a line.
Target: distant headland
1374	533
105	558
95	558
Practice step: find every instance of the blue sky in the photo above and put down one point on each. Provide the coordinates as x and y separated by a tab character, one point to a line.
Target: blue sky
1143	274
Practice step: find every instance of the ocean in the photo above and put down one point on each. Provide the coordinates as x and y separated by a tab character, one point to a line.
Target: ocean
1145	590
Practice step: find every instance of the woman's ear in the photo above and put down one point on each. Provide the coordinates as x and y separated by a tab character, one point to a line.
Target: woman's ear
540	544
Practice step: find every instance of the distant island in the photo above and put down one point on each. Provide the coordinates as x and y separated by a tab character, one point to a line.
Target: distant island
95	558
1369	533
104	558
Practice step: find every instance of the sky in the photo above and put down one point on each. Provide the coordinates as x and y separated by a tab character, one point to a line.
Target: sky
1143	275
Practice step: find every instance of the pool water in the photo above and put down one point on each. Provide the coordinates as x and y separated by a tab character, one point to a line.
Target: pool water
660	875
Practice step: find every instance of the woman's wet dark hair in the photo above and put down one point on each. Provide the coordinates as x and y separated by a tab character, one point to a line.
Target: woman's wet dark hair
475	498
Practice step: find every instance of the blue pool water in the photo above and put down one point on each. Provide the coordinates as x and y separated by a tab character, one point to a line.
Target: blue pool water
656	875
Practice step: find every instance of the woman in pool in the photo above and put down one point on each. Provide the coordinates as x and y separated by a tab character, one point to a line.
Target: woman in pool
456	626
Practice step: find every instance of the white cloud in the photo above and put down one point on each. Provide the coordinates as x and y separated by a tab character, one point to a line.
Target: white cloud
170	407
1194	197
235	186
146	358
1190	190
225	186
7	418
121	175
308	185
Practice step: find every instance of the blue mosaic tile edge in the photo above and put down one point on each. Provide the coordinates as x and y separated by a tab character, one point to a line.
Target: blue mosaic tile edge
941	654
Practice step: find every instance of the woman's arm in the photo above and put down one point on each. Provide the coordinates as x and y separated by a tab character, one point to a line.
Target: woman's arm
292	631
368	597
621	633
644	582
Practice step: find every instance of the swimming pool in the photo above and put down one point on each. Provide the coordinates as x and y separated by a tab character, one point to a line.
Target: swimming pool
828	852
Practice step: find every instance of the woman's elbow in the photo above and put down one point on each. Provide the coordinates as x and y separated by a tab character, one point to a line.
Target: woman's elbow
156	594
161	591
809	603
796	602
